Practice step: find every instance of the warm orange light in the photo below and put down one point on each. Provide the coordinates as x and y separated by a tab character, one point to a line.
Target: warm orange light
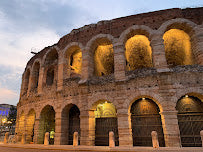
178	48
138	52
77	62
104	60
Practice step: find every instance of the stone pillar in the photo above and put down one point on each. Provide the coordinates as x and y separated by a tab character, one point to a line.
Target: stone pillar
23	139
158	53
201	134
57	136
46	139
36	131
197	43
119	62
124	130
40	81
6	137
60	72
170	128
111	139
155	141
87	126
87	66
75	139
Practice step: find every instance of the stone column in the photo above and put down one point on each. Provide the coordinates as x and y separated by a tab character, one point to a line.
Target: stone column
119	62
87	66
57	136
158	53
87	126
60	72
36	131
124	130
170	128
197	45
40	82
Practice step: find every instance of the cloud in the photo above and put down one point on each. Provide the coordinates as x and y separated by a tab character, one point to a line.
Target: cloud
8	96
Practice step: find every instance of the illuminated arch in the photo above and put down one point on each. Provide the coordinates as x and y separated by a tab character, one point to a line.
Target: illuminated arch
102	55
145	118
177	35
73	58
30	121
103	118
46	124
178	48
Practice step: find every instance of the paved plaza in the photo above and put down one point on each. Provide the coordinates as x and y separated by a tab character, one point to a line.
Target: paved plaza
61	148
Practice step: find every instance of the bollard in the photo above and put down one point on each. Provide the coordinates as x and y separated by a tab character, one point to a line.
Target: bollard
6	137
75	139
23	139
111	139
155	141
201	134
46	138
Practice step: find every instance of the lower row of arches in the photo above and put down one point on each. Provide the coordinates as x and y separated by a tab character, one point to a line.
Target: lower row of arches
144	118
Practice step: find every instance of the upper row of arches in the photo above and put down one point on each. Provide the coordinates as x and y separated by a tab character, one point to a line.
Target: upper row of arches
138	43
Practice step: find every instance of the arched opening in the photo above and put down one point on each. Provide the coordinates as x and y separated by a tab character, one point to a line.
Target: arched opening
21	124
190	120
50	76
178	48
30	121
47	124
35	75
74	60
26	81
70	124
51	66
105	121
103	57
145	118
138	53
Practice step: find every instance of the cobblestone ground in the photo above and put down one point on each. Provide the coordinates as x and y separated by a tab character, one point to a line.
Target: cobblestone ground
9	149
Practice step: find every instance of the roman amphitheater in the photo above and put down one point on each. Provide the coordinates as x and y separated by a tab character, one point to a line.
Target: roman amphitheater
130	75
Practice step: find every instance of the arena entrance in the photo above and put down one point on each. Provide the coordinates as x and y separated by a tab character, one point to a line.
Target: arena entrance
145	118
190	120
105	121
70	124
74	123
47	124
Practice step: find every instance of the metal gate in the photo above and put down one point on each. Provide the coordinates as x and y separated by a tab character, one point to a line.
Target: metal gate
102	129
190	120
74	124
190	126
145	118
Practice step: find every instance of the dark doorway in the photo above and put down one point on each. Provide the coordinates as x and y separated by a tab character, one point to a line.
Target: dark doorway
74	123
145	118
190	120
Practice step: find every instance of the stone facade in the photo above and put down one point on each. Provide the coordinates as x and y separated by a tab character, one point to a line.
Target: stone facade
48	79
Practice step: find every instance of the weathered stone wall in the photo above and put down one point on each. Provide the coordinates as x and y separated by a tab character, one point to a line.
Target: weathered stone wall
164	85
